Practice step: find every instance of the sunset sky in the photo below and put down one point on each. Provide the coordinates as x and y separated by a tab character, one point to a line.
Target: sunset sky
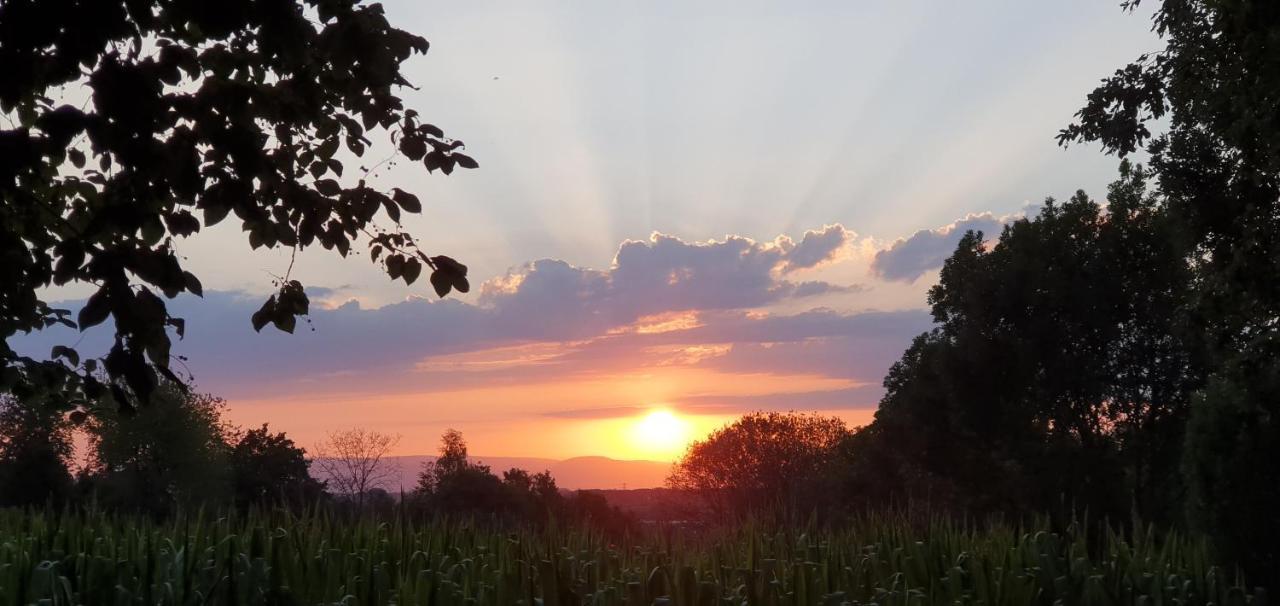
679	208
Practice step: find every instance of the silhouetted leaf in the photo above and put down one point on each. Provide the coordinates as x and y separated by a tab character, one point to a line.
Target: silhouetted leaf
65	352
328	187
193	284
95	310
263	316
442	282
412	268
406	200
465	161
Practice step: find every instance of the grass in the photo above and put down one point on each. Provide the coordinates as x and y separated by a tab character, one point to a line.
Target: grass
275	558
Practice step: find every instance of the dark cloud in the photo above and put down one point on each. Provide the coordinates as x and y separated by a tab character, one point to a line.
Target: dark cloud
909	258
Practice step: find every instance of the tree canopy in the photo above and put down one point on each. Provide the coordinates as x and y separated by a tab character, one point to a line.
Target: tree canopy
195	112
1217	86
760	458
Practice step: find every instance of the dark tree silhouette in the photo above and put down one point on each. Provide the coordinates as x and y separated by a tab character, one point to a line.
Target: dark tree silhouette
1216	85
196	111
176	455
1059	366
269	469
35	447
762	459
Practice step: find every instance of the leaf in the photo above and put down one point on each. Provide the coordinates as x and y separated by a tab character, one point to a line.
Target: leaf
433	161
412	268
441	281
215	213
413	147
77	157
193	284
328	187
461	283
262	317
406	200
465	161
392	210
395	266
286	322
65	352
95	311
179	326
449	264
328	148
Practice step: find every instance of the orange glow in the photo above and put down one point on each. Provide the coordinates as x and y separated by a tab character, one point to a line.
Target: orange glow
659	435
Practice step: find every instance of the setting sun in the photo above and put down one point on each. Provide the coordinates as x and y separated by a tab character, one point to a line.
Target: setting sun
660	434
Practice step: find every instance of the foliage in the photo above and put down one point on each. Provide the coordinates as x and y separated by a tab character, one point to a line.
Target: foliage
1059	360
1233	491
760	458
195	111
453	485
1217	86
35	448
176	453
261	558
353	462
269	469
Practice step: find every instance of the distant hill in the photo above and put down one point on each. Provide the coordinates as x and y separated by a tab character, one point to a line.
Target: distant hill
577	473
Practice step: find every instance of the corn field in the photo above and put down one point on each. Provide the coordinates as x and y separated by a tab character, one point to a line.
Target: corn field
276	558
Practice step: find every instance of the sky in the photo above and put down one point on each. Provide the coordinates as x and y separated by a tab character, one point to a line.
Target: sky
683	212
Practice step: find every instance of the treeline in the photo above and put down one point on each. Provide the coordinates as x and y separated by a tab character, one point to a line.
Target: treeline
179	454
1120	359
1090	360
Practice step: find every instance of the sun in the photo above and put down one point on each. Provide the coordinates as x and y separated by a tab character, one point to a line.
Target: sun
660	434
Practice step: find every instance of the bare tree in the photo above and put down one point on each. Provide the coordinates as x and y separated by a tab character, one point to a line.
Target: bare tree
354	461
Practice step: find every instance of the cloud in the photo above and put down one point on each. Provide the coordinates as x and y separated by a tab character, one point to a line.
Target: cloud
909	258
669	321
818	247
660	275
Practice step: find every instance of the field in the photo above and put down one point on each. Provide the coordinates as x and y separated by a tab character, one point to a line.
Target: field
275	558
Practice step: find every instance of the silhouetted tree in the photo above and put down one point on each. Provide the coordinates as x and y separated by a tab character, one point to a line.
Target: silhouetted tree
354	461
532	497
35	447
1060	367
195	111
761	459
1216	85
454	485
269	469
176	454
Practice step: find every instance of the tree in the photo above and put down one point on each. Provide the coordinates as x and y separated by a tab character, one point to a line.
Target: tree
354	461
196	111
1216	85
454	485
174	454
35	447
269	469
763	458
1060	367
